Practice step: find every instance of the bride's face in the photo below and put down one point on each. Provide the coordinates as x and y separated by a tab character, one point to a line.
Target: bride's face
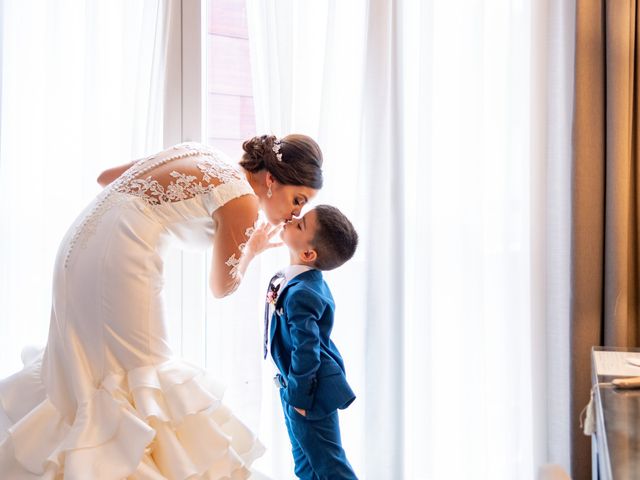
286	202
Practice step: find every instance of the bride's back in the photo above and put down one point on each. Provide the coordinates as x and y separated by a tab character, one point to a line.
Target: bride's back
179	173
173	192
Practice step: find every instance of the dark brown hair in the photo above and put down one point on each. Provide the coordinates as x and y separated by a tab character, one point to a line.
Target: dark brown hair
335	240
301	162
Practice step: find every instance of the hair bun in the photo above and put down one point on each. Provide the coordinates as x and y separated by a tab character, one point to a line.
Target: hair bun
297	159
257	148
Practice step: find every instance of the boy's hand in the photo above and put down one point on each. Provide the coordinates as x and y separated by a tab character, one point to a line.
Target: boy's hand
301	411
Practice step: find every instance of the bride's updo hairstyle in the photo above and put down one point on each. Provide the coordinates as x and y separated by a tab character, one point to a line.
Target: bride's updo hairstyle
292	160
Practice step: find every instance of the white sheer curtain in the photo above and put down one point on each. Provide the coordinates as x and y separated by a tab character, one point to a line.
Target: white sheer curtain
307	60
433	121
81	90
554	51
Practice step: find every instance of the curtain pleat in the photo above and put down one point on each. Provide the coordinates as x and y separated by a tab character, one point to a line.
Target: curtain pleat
425	115
604	250
81	91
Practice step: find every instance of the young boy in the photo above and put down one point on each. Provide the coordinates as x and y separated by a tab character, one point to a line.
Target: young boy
299	319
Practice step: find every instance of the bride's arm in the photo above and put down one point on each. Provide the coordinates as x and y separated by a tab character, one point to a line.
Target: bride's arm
234	222
108	176
238	240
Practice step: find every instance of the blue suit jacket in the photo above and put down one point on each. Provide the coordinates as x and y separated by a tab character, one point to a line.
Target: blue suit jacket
308	360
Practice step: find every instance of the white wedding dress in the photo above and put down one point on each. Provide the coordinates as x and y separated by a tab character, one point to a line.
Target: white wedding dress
106	399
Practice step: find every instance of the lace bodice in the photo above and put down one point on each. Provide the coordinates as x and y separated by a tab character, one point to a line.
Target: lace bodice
209	178
213	172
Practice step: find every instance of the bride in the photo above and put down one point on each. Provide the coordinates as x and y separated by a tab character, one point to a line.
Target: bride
107	399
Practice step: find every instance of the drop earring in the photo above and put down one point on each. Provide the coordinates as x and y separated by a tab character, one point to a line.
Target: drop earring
269	192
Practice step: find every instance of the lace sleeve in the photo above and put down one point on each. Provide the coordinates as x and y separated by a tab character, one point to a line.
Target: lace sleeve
234	261
235	221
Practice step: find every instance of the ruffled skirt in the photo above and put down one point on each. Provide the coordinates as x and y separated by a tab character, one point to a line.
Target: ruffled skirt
154	422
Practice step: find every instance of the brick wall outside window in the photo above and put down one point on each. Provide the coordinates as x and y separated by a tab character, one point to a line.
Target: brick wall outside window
230	115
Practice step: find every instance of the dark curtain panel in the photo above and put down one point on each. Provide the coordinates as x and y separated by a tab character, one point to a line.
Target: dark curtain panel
604	283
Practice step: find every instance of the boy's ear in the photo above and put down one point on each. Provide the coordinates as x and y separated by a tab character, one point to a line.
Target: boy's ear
308	255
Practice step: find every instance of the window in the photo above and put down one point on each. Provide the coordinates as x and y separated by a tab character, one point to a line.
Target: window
229	115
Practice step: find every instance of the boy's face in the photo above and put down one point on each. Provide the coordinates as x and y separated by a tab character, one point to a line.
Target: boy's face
298	236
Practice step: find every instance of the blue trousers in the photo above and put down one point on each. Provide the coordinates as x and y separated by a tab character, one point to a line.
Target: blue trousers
317	447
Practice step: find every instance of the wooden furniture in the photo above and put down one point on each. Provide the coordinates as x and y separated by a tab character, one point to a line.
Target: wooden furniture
616	441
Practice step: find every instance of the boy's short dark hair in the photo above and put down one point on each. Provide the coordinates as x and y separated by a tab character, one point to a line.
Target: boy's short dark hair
335	240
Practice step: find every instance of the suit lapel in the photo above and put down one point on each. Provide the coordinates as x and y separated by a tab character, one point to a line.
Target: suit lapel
308	276
312	275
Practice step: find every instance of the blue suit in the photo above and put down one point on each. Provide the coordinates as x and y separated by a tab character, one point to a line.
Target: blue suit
312	377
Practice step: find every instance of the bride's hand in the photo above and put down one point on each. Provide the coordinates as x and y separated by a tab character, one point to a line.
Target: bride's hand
261	239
